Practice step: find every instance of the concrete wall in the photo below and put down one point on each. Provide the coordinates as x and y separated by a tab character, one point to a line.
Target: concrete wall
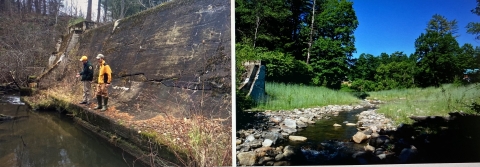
174	59
254	81
258	88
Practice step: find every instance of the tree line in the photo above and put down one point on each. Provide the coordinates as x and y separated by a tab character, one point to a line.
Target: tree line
312	41
107	10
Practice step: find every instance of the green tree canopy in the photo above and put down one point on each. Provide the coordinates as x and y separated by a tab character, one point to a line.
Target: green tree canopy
436	58
262	22
283	28
334	42
466	58
440	24
474	27
365	67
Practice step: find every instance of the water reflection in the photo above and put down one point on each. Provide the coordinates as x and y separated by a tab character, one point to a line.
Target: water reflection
51	139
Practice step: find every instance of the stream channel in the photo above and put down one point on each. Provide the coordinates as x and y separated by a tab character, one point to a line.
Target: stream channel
327	144
48	138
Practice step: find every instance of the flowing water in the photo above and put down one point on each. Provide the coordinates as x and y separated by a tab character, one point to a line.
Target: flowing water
326	144
324	130
48	138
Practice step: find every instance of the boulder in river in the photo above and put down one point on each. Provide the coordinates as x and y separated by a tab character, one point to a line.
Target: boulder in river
288	130
359	137
250	137
273	136
267	143
276	119
301	124
256	143
288	152
303	119
290	123
278	157
297	138
379	141
369	148
246	158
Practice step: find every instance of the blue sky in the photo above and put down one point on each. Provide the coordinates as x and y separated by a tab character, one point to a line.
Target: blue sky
393	25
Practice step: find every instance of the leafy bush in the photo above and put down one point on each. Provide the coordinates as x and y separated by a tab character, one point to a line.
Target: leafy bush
361	85
281	67
459	82
243	102
285	68
361	95
346	88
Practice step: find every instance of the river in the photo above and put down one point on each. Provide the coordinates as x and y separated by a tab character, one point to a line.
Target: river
48	138
324	145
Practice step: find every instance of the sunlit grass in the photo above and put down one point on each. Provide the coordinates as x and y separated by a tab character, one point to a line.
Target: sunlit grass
287	96
401	104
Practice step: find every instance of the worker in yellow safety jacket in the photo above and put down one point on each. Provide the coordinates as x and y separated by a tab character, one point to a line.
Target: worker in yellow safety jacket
104	80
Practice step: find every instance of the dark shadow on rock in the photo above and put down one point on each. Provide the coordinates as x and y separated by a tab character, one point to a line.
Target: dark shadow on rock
455	139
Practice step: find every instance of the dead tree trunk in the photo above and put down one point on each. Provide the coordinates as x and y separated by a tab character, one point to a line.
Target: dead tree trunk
256	30
311	33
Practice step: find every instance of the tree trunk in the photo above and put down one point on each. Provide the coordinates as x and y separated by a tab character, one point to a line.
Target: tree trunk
44	6
57	10
38	10
6	7
122	9
29	6
98	11
3	6
256	31
106	9
311	33
19	6
89	10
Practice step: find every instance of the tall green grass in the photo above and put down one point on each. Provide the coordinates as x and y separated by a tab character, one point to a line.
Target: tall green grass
431	101
288	96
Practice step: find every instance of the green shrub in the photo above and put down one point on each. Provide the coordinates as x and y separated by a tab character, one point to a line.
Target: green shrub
281	67
361	85
361	95
459	82
243	102
346	88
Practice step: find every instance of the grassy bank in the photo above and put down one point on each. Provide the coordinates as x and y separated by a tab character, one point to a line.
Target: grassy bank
286	96
426	102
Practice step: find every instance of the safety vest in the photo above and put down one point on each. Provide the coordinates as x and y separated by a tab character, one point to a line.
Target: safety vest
104	73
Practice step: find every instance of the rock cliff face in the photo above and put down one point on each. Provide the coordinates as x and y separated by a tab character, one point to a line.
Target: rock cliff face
174	59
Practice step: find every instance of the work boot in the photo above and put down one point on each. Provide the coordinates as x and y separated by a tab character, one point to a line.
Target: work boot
99	102
105	102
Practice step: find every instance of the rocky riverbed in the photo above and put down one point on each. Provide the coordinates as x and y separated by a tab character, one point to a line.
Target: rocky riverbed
263	140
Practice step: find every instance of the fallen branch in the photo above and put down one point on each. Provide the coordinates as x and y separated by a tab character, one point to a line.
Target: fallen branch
14	81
